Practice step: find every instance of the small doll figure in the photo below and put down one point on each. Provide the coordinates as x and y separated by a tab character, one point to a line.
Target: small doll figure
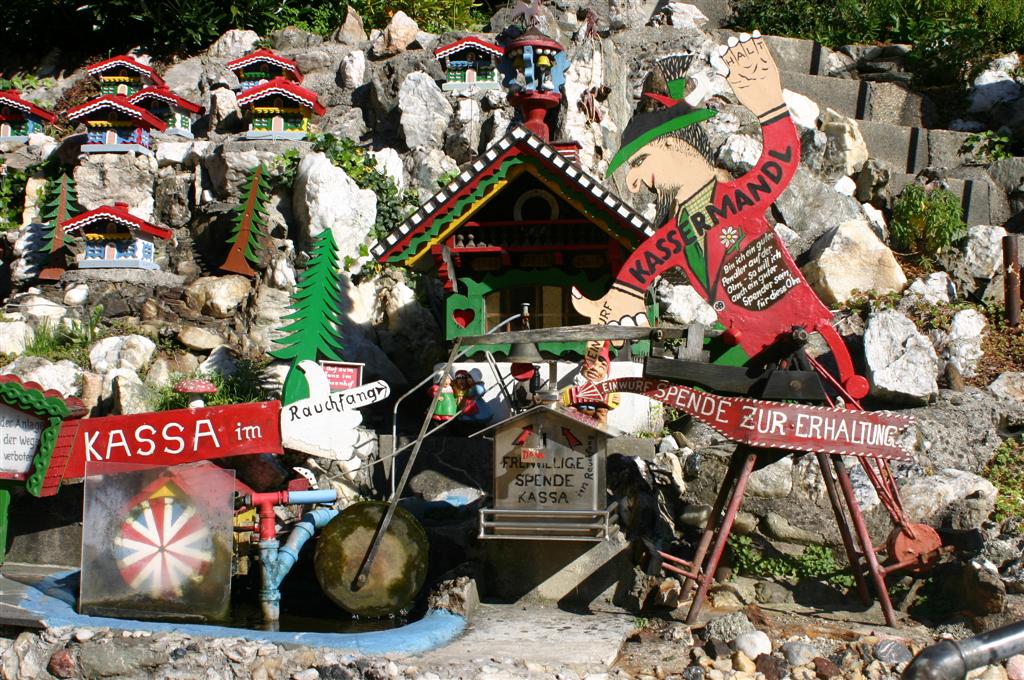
595	369
447	406
469	392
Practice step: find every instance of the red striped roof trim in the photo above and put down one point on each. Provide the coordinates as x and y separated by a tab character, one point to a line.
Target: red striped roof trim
113	101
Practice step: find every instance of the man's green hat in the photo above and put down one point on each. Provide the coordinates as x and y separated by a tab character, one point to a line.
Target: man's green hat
645	127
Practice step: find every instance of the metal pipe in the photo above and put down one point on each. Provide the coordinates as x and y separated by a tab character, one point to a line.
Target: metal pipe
276	560
1011	282
949	659
312	496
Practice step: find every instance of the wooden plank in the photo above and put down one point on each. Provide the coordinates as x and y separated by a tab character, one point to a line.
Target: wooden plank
731	379
574	334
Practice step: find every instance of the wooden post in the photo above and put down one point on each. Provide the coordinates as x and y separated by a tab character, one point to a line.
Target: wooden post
1011	280
5	504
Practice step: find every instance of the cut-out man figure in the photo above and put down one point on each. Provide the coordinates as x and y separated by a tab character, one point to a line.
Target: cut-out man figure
714	230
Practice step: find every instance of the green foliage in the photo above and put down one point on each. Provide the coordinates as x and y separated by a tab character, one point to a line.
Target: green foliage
251	214
12	198
987	146
925	222
285	167
243	386
950	38
1006	472
68	342
816	562
25	81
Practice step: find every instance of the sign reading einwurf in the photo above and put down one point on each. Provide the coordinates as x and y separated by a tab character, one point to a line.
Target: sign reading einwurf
766	424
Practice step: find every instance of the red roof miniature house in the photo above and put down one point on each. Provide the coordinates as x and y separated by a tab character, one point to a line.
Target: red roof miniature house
470	62
19	118
263	66
115	125
114	238
178	113
124	75
279	109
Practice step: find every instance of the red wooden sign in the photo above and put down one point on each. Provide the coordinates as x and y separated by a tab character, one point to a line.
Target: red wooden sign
342	375
180	436
773	425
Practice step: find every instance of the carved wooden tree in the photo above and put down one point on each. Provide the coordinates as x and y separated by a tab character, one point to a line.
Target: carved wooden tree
314	331
250	220
60	203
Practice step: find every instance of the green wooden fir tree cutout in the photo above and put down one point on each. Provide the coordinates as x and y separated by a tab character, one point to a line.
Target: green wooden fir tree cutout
60	204
315	317
250	221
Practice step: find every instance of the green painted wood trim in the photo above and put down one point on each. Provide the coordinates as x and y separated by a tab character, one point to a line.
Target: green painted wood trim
5	506
51	409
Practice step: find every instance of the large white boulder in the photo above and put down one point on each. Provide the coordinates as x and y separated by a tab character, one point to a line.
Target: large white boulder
234	44
927	499
851	257
683	305
901	362
845	147
131	352
63	376
326	198
400	32
108	178
218	296
15	336
426	112
961	346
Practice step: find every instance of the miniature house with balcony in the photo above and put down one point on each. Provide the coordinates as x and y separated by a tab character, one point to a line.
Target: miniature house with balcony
178	113
114	238
124	75
279	109
20	118
262	66
470	63
115	125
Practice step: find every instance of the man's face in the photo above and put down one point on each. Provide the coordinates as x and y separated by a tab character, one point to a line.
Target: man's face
670	167
596	369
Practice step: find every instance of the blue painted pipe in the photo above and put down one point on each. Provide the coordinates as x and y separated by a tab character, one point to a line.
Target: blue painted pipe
312	497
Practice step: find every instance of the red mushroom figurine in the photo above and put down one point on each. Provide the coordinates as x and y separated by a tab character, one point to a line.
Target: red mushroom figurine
196	387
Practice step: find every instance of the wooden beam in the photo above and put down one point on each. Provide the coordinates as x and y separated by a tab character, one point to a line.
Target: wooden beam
575	334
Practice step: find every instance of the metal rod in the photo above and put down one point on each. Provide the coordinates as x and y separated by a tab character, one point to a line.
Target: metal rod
952	659
576	334
371	553
723	532
709	530
867	548
1011	281
844	529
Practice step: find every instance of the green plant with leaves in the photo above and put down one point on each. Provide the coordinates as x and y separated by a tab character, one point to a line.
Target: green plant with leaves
316	317
25	81
925	222
12	197
1006	472
816	562
244	385
72	341
249	223
987	146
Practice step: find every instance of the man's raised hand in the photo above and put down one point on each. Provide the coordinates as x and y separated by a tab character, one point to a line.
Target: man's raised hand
749	68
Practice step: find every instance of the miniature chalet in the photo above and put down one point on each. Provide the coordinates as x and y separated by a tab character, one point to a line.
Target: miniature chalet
115	125
124	75
279	109
470	63
114	238
263	66
20	118
178	113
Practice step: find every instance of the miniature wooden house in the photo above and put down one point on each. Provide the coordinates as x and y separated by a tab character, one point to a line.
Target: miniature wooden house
20	118
470	63
123	75
178	113
115	125
262	66
114	238
279	109
549	478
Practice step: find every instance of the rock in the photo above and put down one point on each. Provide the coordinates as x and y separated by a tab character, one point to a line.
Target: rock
1015	667
728	627
130	396
222	361
99	658
771	667
76	295
409	335
41	311
770	592
961	346
353	69
928	499
901	362
199	339
780	528
995	85
187	78
1009	385
876	219
851	257
936	288
740	153
981	259
63	376
462	138
400	32
108	178
803	110
826	669
225	114
62	664
799	653
325	197
351	31
176	153
983	590
892	652
308	674
772	481
15	336
229	164
218	296
990	672
681	304
166	370
845	148
121	351
234	44
810	207
845	186
389	161
753	644
424	166
742	663
425	111
458	596
292	38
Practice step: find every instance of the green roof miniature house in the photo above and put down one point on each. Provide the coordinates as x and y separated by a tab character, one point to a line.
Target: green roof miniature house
20	118
114	238
279	109
470	63
115	125
178	113
262	66
124	75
